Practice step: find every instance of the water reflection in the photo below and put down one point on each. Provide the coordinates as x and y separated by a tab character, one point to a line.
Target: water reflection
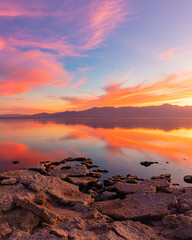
118	146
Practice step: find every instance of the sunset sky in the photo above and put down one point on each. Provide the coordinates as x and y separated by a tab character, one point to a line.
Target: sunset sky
73	55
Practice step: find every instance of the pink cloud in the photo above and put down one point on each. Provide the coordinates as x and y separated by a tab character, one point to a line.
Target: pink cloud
103	17
168	53
23	71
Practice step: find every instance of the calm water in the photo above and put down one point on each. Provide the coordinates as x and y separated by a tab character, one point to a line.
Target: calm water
116	145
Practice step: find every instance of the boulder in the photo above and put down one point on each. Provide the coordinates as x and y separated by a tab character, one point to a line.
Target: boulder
10	181
137	206
44	213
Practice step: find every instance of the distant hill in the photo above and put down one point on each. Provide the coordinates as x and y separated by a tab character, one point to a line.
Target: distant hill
163	111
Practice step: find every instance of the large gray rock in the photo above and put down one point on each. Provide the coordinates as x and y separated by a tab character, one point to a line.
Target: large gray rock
137	206
63	191
44	213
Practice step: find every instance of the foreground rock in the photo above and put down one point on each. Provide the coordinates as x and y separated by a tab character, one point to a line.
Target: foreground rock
138	206
71	204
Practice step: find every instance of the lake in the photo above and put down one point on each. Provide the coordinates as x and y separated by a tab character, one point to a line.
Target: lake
116	145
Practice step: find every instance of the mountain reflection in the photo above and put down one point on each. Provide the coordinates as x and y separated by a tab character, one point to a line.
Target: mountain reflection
119	146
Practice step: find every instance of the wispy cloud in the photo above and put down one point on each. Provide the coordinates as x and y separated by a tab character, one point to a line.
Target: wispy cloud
167	54
31	57
176	89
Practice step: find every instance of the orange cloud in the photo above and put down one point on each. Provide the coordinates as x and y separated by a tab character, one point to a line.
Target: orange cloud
174	89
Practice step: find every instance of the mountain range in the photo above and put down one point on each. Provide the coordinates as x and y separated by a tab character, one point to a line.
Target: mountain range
162	111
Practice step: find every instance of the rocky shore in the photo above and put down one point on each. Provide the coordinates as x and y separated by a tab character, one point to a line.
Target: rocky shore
54	201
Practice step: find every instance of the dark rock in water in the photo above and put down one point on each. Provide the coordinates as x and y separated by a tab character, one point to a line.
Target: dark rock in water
108	182
147	163
56	163
101	171
95	174
89	165
15	162
188	179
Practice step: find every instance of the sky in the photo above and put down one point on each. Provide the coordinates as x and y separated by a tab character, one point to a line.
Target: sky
74	55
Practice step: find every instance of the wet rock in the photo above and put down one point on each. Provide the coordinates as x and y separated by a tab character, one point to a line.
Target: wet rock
100	170
108	182
78	171
56	163
163	176
137	206
89	165
188	179
19	235
147	163
42	212
131	180
98	185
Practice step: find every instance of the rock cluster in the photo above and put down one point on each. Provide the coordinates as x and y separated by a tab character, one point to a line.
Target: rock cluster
71	203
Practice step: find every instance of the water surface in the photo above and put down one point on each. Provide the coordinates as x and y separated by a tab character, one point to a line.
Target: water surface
117	145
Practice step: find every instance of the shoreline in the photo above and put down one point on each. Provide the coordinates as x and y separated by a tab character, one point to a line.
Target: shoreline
71	203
